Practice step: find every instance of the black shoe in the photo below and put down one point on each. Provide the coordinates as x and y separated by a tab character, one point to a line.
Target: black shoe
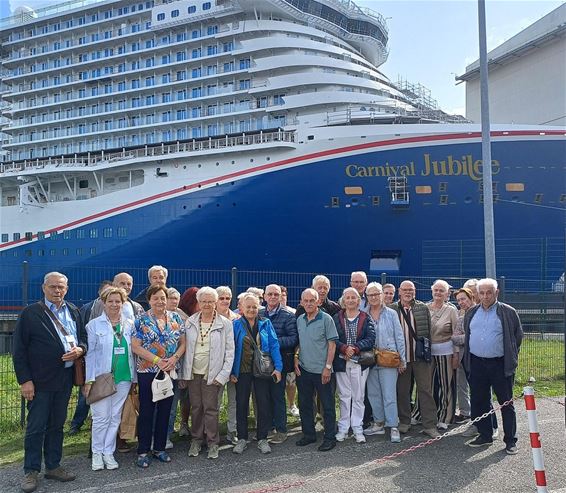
480	442
305	441
327	445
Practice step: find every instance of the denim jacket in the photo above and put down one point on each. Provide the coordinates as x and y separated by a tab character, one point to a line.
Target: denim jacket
389	333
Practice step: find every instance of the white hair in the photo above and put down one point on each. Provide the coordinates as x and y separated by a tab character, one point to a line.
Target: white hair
350	289
123	274
173	292
55	274
207	290
248	296
276	286
320	278
257	291
310	291
471	283
223	290
360	273
487	282
441	282
157	267
375	285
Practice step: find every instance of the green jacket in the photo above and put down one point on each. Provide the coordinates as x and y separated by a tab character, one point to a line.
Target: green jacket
421	315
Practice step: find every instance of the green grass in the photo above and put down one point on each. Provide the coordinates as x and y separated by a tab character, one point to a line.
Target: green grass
543	360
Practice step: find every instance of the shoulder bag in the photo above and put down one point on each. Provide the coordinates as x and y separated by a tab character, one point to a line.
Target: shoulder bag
79	366
262	364
422	348
387	358
161	388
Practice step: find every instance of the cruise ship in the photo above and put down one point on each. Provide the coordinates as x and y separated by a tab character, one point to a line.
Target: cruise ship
257	134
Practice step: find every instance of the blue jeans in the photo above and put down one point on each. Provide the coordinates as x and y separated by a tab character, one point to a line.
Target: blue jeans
47	413
278	403
382	394
81	411
307	384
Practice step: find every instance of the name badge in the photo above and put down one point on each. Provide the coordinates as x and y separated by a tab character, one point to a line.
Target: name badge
119	350
71	340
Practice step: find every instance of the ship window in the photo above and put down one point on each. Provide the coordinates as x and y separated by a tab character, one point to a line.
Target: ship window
443	199
310	137
335	202
53	235
41	253
107	233
515	187
206	6
93	251
123	179
83	183
80	233
5	237
423	189
353	190
563	198
375	200
16	236
175	13
79	251
538	198
122	232
94	233
192	9
65	251
442	186
109	180
66	235
52	252
29	236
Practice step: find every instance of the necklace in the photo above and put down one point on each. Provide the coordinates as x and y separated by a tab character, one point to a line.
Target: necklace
204	335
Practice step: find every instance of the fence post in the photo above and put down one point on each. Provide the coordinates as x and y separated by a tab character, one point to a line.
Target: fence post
25	283
234	287
501	286
383	278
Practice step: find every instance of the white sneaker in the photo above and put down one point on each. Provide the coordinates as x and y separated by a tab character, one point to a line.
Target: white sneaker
264	447
168	444
374	429
495	435
395	435
194	449
442	426
97	462
341	436
295	411
213	451
240	446
109	461
360	438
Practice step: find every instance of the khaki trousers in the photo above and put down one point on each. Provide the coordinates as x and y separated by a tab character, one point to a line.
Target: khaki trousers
422	372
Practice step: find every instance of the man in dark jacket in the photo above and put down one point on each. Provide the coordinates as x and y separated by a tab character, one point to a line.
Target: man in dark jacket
48	338
493	336
285	325
321	284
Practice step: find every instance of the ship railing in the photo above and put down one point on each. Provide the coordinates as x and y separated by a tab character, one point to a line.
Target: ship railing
104	158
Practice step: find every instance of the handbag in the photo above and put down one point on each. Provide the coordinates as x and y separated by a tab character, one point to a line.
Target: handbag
387	358
102	387
79	366
262	364
422	348
161	388
128	423
366	358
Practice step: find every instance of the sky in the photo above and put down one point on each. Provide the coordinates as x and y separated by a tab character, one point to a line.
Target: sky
429	41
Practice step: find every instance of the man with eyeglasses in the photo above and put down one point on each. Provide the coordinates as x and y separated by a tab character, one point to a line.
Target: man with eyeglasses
285	325
359	281
415	321
313	367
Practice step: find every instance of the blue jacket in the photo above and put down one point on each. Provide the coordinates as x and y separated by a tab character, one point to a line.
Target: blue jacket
285	325
365	338
268	343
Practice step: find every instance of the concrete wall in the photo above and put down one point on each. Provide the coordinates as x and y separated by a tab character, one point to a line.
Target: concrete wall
529	90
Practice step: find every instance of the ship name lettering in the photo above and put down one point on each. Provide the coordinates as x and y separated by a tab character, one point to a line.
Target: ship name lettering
356	171
466	166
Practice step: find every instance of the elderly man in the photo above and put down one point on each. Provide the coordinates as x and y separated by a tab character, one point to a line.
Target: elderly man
415	321
313	367
321	284
130	309
359	281
388	294
493	336
285	325
157	275
48	338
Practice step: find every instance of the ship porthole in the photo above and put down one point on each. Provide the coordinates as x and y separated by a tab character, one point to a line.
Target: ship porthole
468	200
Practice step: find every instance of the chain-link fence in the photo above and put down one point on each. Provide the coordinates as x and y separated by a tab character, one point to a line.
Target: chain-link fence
539	303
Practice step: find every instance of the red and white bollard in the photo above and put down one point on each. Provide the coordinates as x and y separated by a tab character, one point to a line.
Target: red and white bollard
538	459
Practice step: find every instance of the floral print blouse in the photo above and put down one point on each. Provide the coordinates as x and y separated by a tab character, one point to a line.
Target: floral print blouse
162	343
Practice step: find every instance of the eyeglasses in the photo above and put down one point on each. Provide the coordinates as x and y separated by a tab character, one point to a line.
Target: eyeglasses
224	298
373	295
271	294
207	302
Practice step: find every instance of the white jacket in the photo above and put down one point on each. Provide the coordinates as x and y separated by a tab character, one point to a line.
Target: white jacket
221	349
100	343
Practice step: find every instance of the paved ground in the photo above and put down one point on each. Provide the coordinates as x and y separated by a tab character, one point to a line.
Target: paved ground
445	466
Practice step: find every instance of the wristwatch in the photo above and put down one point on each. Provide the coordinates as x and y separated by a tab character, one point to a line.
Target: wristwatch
328	367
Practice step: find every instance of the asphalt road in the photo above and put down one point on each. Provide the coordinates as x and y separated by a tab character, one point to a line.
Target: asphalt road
444	466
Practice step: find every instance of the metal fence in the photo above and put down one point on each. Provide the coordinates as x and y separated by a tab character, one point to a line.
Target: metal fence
539	303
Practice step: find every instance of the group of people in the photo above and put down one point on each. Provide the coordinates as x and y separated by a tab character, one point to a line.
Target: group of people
454	356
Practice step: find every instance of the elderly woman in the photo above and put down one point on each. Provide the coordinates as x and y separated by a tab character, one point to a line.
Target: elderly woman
223	307
465	300
206	368
444	320
159	345
110	350
382	381
173	299
247	329
355	334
